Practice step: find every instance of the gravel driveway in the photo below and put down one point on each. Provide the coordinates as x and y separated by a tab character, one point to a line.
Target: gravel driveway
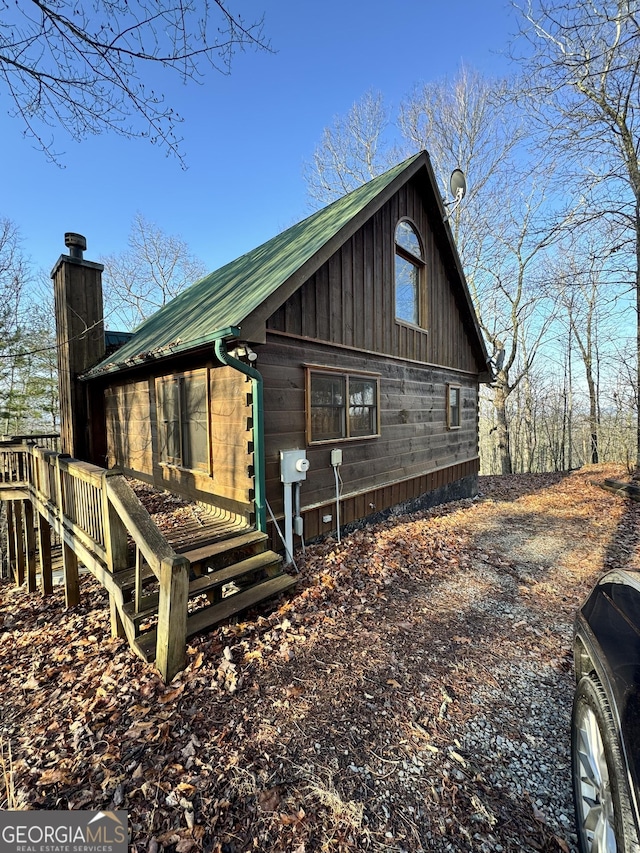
412	694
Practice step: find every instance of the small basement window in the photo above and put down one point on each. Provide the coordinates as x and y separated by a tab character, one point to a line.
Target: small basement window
341	406
453	406
409	273
183	420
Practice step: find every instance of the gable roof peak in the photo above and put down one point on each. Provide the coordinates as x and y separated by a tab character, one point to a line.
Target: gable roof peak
217	305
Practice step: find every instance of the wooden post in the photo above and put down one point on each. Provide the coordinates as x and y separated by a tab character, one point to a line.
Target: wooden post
29	525
71	577
137	590
19	565
60	495
116	544
171	638
44	549
11	537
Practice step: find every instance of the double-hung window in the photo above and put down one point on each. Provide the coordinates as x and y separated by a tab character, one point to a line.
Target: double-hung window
409	275
183	420
341	405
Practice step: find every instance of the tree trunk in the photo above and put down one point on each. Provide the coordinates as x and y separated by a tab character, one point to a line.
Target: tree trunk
502	428
637	283
531	426
593	412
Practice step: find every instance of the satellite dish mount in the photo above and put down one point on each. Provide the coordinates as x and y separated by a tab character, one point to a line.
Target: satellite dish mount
458	187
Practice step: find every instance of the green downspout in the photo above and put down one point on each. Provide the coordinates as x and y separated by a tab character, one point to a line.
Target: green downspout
258	430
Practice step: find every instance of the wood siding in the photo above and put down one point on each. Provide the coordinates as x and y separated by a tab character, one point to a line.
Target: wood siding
80	344
414	438
351	300
341	318
444	484
129	426
132	436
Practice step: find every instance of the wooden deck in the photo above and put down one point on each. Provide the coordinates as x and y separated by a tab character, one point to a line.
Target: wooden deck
186	524
172	570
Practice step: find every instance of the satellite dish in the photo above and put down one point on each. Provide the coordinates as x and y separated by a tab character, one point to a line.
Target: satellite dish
458	184
458	187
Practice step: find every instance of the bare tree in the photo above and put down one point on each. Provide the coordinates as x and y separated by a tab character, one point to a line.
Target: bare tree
28	363
469	122
579	282
352	151
466	121
13	279
514	311
143	278
81	66
584	70
500	231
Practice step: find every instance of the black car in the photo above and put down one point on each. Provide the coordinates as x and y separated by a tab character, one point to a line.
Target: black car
605	724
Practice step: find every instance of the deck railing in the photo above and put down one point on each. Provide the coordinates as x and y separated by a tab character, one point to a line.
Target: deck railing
50	440
12	465
96	514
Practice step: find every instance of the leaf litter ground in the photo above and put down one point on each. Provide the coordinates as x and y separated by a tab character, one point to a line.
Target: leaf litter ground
412	694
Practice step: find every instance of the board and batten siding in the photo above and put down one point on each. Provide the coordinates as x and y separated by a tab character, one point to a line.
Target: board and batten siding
133	444
350	300
414	439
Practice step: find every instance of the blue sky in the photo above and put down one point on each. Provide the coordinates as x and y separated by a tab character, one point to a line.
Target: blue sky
246	136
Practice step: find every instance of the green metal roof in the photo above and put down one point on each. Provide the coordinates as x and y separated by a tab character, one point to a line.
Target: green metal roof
217	305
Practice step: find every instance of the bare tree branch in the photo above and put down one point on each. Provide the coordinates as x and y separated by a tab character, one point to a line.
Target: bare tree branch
584	67
351	152
152	271
81	67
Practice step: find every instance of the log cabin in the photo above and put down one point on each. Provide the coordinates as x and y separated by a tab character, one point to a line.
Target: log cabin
328	376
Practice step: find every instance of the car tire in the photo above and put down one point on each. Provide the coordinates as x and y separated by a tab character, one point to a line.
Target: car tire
604	818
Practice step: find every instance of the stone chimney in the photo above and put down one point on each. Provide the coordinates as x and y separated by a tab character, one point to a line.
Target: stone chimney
77	286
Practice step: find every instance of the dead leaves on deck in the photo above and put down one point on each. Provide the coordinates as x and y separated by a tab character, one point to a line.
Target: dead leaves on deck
330	723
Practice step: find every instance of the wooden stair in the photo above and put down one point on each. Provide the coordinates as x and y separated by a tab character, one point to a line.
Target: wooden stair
226	577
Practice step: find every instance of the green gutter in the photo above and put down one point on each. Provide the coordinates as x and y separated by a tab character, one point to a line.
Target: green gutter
258	430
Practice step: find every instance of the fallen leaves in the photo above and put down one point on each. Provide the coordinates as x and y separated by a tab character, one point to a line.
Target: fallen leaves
172	694
333	721
269	800
53	776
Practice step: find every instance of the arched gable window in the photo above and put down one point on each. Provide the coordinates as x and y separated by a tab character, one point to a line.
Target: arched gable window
409	273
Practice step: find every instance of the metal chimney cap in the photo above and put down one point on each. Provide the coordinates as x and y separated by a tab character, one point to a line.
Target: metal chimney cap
76	243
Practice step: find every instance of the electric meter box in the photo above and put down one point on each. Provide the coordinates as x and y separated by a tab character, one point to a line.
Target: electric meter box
293	466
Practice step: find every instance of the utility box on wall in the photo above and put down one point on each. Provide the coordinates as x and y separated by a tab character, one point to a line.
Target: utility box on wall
293	466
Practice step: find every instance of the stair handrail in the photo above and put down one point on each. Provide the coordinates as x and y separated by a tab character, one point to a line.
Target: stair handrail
171	570
119	512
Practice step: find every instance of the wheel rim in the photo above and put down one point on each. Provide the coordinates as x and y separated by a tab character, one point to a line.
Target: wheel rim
594	800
